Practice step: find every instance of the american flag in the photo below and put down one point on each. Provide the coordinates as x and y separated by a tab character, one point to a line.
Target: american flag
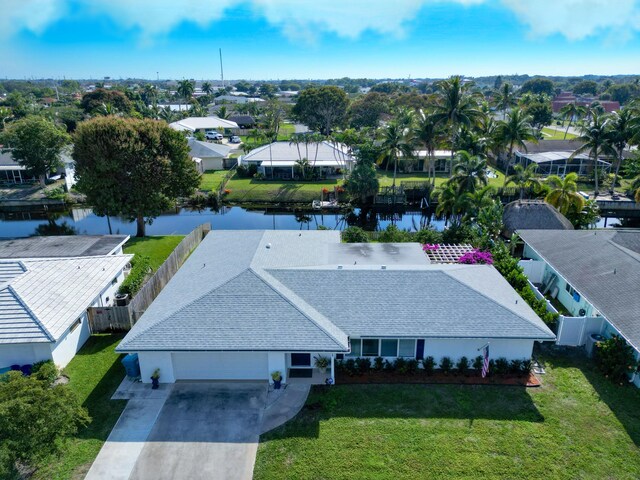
485	363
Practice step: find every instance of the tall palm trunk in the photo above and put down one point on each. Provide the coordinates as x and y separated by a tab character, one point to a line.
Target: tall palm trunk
595	173
506	170
615	176
568	125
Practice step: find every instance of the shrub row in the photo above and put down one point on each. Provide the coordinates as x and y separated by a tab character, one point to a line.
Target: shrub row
140	268
427	366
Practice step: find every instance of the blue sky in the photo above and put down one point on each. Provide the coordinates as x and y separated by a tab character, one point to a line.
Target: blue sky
278	39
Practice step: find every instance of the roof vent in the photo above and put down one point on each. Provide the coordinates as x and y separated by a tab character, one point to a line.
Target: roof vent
339	267
268	245
383	267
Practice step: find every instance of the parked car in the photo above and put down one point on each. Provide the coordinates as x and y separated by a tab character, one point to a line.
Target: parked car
213	135
235	139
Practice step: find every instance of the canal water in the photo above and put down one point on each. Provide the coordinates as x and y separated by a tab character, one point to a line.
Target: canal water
83	221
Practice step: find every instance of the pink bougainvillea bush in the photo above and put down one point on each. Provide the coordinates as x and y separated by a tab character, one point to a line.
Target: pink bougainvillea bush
476	257
430	247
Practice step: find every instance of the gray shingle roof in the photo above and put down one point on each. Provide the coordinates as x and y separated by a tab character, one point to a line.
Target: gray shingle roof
281	290
533	214
201	149
602	265
61	246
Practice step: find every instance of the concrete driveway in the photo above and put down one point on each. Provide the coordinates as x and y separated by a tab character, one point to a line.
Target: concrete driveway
204	431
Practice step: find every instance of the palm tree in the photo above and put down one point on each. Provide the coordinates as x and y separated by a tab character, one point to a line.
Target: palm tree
470	172
428	135
452	203
524	177
207	88
478	200
166	114
564	193
513	132
396	142
505	99
455	105
150	94
635	189
223	112
570	112
625	125
185	90
596	140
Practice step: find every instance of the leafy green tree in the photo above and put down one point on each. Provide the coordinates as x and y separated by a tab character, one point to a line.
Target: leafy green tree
616	358
322	108
585	87
93	101
355	235
185	90
538	85
367	110
540	112
36	144
456	105
514	132
596	140
563	193
133	168
524	177
362	184
268	90
34	417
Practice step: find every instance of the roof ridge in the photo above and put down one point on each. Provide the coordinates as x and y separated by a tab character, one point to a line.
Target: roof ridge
446	272
33	316
144	330
294	300
257	150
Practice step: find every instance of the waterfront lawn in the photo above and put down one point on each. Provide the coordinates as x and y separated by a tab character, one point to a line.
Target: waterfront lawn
94	374
157	248
577	425
554	134
212	179
276	191
386	178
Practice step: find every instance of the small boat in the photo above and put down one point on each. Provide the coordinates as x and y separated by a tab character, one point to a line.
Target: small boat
321	205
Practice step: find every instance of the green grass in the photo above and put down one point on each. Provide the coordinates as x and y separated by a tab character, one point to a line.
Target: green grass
157	248
94	374
286	129
212	179
386	178
250	190
553	134
577	425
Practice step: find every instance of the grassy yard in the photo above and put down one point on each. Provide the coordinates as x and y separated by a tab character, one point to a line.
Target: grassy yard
386	178
553	134
94	373
157	248
577	425
250	190
211	180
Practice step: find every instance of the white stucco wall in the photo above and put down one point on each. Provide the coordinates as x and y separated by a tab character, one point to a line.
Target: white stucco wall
149	361
24	353
277	362
108	294
68	345
457	348
212	163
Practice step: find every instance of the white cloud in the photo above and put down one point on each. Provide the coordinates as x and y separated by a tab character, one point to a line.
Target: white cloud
306	20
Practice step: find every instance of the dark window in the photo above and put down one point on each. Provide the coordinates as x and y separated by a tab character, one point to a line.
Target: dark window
300	359
370	347
389	348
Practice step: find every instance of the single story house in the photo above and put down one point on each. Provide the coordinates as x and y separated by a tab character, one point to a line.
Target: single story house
442	159
532	215
62	246
278	159
202	124
553	157
248	303
236	99
211	155
595	275
44	301
12	173
244	121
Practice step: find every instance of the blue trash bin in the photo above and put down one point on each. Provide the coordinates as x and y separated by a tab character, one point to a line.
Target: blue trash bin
131	365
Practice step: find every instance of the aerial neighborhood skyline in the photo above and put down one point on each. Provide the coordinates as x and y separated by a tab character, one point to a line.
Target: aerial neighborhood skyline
405	39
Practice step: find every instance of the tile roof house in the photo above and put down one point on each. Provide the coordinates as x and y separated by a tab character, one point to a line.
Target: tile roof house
44	301
595	275
247	303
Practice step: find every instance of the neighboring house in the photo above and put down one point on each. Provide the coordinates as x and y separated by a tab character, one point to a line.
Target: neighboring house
278	159
248	303
595	275
441	159
244	121
566	98
211	155
532	215
11	172
43	305
202	124
553	157
236	99
62	246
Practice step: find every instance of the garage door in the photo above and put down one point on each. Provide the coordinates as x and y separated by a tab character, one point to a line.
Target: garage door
220	366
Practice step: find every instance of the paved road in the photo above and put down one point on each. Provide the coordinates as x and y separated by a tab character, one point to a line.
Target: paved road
204	431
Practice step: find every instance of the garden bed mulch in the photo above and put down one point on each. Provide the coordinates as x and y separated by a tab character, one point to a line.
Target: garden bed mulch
438	379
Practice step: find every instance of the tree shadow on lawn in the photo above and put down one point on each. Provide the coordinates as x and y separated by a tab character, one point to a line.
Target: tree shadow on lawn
426	402
622	400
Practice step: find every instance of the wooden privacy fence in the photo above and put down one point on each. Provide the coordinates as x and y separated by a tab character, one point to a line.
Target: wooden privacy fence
123	318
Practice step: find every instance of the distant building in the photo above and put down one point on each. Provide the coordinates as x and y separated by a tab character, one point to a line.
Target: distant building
565	98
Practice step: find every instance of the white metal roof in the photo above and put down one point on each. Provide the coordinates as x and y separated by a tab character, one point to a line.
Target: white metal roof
545	157
202	123
333	154
41	303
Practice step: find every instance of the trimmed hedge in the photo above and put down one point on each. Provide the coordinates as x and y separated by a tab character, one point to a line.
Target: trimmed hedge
140	268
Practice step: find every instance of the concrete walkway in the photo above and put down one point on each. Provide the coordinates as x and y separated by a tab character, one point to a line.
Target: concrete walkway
204	430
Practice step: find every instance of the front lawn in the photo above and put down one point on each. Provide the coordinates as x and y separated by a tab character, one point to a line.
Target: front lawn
94	374
212	179
157	248
577	425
